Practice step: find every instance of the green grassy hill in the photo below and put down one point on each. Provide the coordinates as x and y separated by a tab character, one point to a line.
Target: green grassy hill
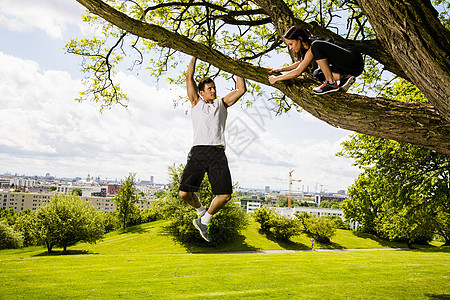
145	263
152	238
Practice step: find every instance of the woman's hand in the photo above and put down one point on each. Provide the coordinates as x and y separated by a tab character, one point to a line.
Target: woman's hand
273	79
271	70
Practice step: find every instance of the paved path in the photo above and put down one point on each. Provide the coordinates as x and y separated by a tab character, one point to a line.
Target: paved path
293	251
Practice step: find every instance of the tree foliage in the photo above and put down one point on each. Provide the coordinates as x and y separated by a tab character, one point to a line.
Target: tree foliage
26	225
407	38
322	229
126	199
280	227
404	191
9	239
67	220
225	225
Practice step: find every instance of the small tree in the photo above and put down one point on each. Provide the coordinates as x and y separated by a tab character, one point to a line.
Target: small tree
282	228
322	229
111	221
77	192
126	198
263	216
67	220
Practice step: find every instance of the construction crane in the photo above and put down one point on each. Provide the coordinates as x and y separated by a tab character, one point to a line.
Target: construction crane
290	187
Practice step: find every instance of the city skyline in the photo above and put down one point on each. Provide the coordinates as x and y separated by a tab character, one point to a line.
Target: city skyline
90	177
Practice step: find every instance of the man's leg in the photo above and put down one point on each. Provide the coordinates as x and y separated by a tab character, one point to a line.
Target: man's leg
192	199
202	223
218	202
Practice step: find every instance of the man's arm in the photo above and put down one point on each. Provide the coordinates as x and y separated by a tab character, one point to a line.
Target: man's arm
191	86
234	96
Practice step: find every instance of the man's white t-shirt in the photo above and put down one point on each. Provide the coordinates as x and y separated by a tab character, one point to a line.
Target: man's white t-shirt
208	121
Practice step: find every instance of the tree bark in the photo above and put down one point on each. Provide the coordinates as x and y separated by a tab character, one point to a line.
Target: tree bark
419	43
416	123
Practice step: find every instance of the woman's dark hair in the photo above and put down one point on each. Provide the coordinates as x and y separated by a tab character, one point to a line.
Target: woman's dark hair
201	84
296	33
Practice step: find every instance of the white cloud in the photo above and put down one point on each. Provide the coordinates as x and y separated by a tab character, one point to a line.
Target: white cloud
43	125
51	16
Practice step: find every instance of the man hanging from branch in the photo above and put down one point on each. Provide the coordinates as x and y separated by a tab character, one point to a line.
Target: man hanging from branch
207	155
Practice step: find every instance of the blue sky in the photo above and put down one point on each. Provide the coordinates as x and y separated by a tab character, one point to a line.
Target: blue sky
45	131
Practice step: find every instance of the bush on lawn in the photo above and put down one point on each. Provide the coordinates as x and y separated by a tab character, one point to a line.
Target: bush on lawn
9	239
225	225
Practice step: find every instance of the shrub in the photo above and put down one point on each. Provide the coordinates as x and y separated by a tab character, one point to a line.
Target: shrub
264	216
26	225
9	239
111	221
339	223
133	216
321	229
9	215
282	228
225	225
151	214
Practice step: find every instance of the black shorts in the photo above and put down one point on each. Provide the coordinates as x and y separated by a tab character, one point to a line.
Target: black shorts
210	160
342	59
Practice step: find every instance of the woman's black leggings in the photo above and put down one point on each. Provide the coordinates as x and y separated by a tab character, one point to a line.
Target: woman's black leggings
341	59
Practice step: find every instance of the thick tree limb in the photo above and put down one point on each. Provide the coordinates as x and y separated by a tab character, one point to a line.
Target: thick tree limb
415	123
410	30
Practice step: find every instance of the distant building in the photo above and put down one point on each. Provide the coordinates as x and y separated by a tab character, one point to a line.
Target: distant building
5	183
101	193
267	189
23	201
113	188
32	201
250	204
342	192
317	212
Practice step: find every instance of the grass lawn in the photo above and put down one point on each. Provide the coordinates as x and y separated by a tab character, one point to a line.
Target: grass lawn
144	263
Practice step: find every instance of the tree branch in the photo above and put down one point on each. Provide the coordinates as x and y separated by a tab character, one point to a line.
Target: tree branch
415	123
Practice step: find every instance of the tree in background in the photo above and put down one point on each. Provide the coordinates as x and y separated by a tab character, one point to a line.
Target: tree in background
77	192
9	215
67	220
264	217
26	225
404	191
334	204
225	226
322	229
126	199
9	239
